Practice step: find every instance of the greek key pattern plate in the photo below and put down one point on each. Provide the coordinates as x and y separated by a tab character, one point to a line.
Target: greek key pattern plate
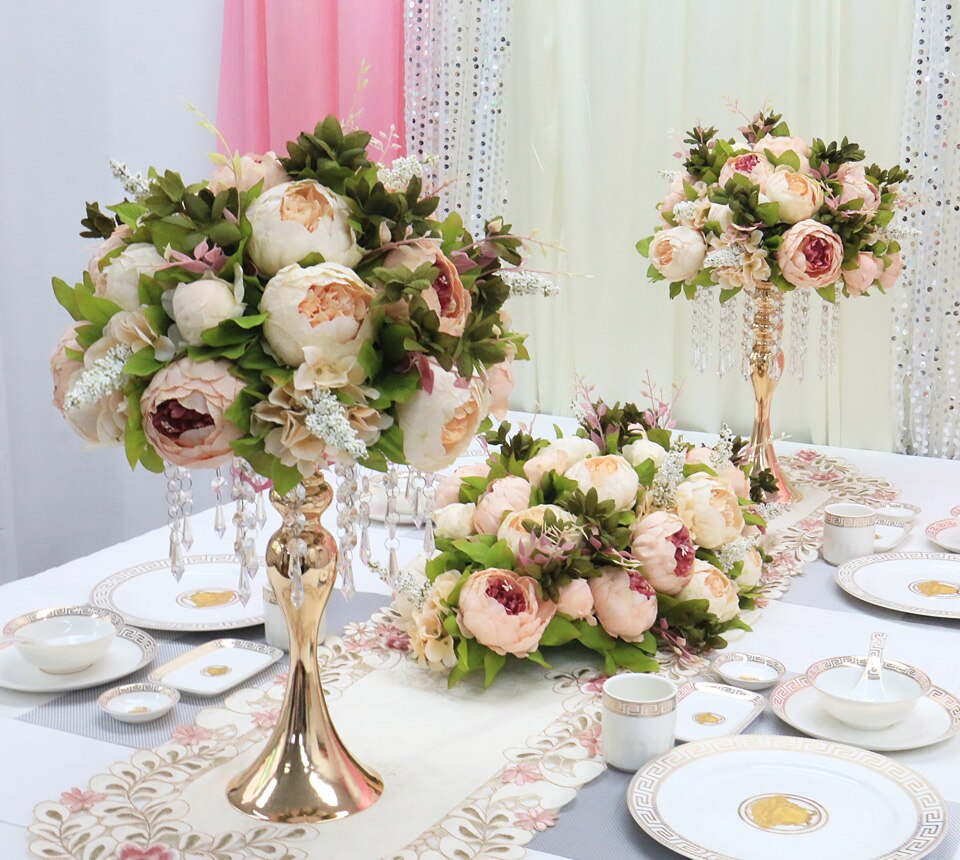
846	577
931	826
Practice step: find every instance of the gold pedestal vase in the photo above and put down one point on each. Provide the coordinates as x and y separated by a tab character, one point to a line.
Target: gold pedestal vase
304	773
766	368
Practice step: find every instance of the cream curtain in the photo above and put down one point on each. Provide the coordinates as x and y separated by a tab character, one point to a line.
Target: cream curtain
598	97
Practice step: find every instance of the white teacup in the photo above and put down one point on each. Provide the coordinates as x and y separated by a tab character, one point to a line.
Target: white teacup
849	531
639	719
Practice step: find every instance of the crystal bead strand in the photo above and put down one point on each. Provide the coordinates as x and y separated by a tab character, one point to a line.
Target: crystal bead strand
777	318
747	333
295	521
175	520
346	526
799	322
429	493
219	521
186	507
363	519
418	481
728	329
701	332
245	520
834	338
390	520
826	327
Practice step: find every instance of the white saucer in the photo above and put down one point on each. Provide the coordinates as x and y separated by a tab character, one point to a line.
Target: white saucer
132	649
902	512
138	703
750	671
936	718
945	534
708	710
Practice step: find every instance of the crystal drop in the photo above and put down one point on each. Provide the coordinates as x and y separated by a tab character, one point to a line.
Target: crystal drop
219	522
347	586
428	544
296	584
177	563
187	534
417	511
251	560
261	511
244	589
365	554
393	567
239	539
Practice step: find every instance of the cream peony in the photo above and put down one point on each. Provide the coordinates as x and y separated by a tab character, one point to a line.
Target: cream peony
504	611
101	422
735	479
642	450
502	496
439	425
799	196
513	531
205	303
678	253
448	490
499	383
708	583
575	601
559	456
709	509
431	644
752	165
454	521
810	255
324	307
117	239
777	146
720	214
253	168
624	602
661	543
860	279
854	185
62	367
446	296
120	279
614	479
183	412
888	277
752	571
295	219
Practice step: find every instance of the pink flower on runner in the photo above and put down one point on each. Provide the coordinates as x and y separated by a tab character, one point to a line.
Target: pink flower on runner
393	637
191	735
825	476
536	819
807	456
521	774
129	851
590	740
594	684
265	719
79	801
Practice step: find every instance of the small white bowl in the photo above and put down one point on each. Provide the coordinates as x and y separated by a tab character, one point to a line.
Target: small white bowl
138	703
901	512
64	640
836	677
749	671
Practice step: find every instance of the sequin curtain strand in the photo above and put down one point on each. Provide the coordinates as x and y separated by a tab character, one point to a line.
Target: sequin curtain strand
926	334
456	57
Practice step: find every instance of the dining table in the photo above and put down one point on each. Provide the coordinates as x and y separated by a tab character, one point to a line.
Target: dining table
52	743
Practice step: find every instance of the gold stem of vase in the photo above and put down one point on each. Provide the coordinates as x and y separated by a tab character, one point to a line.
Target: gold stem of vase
766	367
304	773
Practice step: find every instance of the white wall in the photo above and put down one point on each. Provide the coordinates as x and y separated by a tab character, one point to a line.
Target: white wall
81	82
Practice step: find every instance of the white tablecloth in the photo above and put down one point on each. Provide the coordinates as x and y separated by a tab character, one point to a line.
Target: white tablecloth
813	620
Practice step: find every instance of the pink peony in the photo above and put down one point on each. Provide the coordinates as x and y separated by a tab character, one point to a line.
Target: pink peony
700	456
677	193
779	145
662	544
854	185
735	479
752	165
183	413
500	384
888	277
448	490
63	368
129	851
504	611
625	603
576	601
502	496
860	279
446	297
253	168
810	255
117	239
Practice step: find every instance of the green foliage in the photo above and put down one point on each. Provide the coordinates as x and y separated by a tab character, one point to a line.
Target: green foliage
327	155
97	225
691	620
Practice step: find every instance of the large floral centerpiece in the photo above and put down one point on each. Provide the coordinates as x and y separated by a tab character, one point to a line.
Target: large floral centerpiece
292	311
622	538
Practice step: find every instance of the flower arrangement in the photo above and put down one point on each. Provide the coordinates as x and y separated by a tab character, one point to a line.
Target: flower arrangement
777	210
292	311
622	538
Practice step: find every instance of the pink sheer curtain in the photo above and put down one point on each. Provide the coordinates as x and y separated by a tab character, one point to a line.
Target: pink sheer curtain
286	64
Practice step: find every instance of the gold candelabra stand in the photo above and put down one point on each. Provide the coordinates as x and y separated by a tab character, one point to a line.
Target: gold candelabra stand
304	773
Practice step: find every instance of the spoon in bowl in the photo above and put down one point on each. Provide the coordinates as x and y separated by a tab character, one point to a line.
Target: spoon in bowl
870	686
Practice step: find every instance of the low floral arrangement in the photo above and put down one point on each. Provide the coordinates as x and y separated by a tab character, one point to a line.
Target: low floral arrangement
777	210
622	538
292	311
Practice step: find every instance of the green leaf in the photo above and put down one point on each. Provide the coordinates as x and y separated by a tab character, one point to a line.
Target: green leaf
630	656
643	248
67	298
558	632
129	213
143	363
492	664
95	309
791	159
595	638
769	213
828	294
369	359
537	657
646	471
224	233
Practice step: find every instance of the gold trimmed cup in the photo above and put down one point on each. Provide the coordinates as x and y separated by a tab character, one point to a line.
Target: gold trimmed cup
639	719
849	532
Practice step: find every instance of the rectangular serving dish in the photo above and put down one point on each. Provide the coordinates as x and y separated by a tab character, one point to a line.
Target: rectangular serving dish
708	710
215	667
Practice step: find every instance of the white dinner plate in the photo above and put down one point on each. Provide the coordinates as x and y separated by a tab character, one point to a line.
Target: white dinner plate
204	599
130	650
708	710
920	583
945	534
935	718
756	797
215	667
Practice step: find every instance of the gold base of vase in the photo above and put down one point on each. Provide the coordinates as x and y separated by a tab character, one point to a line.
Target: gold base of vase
304	773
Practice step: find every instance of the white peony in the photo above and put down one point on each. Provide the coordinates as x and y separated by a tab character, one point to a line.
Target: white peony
559	456
611	476
678	253
198	305
294	219
708	583
799	196
752	571
709	510
325	307
439	426
642	450
120	280
513	531
454	521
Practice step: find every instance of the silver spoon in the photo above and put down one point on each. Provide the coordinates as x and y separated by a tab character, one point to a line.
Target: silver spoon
870	686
